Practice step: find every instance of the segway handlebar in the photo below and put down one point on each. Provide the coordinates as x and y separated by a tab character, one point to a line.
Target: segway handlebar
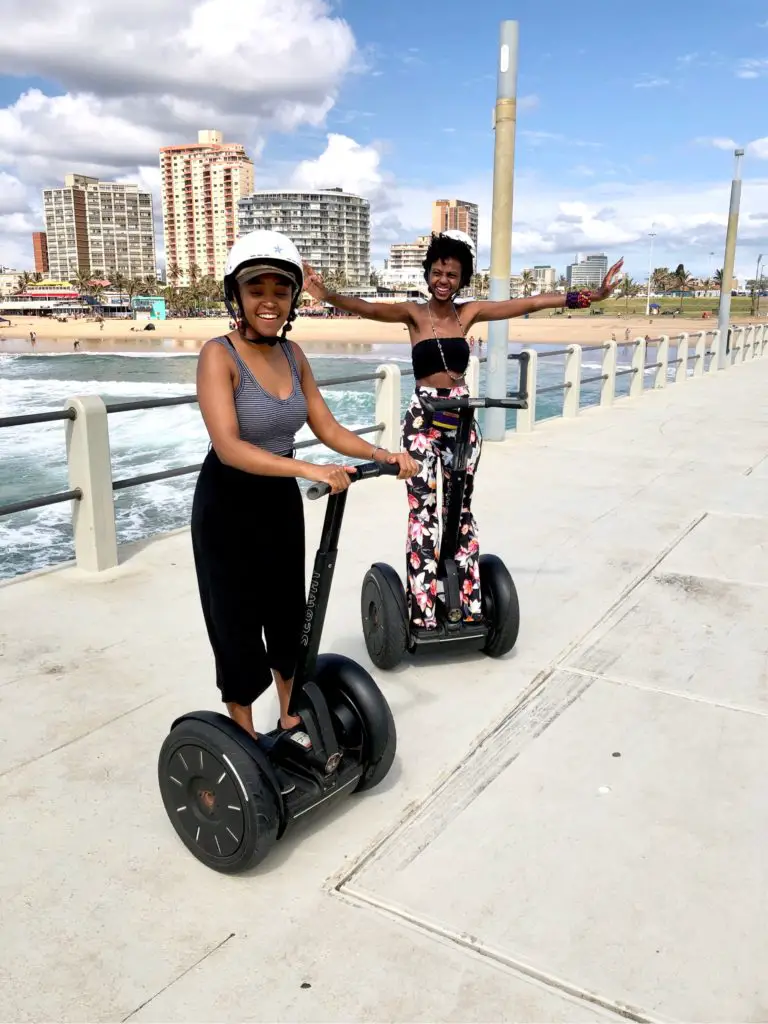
364	471
465	402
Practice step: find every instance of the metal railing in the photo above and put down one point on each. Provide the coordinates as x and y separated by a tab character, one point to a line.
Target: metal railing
70	414
92	487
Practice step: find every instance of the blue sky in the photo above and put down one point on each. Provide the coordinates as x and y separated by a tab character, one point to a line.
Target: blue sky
627	119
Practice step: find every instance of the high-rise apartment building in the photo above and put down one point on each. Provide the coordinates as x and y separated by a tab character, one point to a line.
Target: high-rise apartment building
98	226
40	250
587	272
408	255
455	215
202	183
330	228
545	278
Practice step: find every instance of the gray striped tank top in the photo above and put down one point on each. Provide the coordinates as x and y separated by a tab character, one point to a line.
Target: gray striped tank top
266	421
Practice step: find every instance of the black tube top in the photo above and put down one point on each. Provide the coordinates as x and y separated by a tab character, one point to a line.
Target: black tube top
426	356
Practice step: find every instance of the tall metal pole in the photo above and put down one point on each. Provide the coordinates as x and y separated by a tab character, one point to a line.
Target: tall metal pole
724	316
652	235
501	224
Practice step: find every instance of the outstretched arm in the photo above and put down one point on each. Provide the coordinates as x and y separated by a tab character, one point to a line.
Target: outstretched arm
387	312
506	309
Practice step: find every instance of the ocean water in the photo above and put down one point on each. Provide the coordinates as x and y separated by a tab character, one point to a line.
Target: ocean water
33	458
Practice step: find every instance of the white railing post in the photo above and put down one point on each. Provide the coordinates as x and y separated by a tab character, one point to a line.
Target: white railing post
608	370
90	470
681	368
472	376
736	345
526	418
701	354
388	406
662	358
717	341
637	383
572	397
763	340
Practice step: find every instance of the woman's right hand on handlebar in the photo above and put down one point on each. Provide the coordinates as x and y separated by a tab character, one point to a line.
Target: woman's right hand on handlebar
337	477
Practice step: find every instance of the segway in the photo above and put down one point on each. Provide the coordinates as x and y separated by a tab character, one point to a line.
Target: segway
229	796
388	633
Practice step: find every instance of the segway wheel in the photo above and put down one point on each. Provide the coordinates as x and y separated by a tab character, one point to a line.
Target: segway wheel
385	616
222	808
362	718
501	607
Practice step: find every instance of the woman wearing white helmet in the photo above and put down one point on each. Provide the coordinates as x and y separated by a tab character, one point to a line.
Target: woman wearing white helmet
256	390
440	355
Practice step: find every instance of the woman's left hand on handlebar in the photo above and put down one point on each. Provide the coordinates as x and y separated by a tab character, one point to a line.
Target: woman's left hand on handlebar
408	465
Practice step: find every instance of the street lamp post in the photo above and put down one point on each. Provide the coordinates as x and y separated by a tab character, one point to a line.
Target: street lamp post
758	279
651	235
724	315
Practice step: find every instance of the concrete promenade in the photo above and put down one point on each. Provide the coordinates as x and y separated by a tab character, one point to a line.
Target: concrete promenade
577	832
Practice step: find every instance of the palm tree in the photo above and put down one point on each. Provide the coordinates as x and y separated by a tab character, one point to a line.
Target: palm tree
628	288
23	282
528	282
683	281
661	280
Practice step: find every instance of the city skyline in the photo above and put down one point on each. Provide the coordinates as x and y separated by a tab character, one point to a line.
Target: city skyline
348	104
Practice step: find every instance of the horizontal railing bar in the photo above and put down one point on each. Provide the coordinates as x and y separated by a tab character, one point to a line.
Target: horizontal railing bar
148	478
48	499
330	381
38	417
547	354
554	387
675	362
158	403
652	366
591	380
150	403
360	431
623	373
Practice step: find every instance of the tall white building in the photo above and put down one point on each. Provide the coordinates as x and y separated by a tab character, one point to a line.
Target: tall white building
330	228
587	272
202	183
102	226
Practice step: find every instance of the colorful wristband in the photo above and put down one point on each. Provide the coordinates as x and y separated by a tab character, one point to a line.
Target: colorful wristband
578	300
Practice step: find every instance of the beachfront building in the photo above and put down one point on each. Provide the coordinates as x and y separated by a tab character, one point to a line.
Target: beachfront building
545	278
201	185
103	226
587	271
40	250
455	215
330	228
405	264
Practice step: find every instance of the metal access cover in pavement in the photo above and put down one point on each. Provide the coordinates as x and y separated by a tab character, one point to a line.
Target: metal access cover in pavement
609	837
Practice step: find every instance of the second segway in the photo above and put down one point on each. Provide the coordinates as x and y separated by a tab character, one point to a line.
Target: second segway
389	636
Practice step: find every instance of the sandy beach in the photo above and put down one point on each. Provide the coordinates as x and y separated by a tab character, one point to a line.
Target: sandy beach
331	334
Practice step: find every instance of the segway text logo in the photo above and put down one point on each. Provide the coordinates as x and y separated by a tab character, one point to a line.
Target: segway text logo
310	612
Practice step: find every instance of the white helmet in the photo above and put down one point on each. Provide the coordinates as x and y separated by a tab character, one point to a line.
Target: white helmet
462	236
263	252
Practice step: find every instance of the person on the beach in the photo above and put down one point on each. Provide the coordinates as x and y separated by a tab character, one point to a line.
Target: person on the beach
440	354
256	390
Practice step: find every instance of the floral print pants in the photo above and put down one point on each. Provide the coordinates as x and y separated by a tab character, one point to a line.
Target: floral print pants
429	444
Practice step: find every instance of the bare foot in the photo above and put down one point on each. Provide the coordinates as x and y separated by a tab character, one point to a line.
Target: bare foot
243	716
289	721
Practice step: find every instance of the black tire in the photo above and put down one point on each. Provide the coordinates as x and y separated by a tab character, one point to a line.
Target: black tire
204	777
501	606
385	616
361	715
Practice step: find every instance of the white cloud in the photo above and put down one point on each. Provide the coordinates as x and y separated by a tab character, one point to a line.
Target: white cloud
751	67
650	82
718	142
346	164
137	76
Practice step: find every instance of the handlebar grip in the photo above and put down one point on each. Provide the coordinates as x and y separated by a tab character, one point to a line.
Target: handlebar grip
362	472
316	491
